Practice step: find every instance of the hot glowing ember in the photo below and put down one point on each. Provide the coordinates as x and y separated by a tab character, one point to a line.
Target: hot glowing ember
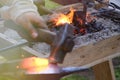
62	19
34	64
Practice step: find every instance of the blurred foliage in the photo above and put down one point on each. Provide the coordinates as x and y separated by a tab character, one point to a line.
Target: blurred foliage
6	78
51	5
69	77
117	73
74	77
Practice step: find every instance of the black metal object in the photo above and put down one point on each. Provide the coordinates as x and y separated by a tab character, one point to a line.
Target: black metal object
114	5
9	69
44	76
108	13
55	76
62	44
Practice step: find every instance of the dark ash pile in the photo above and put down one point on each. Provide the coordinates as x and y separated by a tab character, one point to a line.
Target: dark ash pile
110	29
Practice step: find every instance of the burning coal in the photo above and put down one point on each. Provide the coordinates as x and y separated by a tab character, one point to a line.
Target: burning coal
64	18
83	22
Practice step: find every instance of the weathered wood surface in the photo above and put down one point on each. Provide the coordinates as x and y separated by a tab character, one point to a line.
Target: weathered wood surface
93	54
103	71
28	50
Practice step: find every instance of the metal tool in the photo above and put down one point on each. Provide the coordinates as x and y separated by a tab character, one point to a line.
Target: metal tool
54	76
17	73
63	43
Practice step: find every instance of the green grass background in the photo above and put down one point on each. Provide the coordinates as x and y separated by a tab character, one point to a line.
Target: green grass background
51	5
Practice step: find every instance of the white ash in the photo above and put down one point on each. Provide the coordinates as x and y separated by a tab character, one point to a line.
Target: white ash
110	29
41	47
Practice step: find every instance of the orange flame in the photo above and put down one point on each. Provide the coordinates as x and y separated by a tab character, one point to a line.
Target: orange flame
62	19
34	64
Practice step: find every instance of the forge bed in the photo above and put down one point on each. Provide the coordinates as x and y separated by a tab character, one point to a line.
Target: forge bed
94	48
97	47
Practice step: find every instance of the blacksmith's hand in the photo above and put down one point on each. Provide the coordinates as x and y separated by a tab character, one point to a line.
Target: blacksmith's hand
29	20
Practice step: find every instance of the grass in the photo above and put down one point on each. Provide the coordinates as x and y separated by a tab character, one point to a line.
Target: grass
6	78
117	73
51	5
74	77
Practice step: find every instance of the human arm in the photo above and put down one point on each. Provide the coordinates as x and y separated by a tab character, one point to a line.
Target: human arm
23	12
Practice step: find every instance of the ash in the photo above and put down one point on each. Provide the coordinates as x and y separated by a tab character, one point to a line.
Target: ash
110	29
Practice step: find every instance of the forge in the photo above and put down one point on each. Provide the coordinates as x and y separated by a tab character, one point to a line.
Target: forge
94	37
91	29
89	26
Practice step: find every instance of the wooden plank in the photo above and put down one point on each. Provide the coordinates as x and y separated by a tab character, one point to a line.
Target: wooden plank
1	23
4	43
9	47
93	54
112	69
103	71
13	52
27	50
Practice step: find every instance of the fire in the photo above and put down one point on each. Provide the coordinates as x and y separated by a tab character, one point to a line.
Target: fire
34	64
62	19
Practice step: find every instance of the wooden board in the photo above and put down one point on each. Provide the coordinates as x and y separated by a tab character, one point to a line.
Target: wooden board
104	71
93	54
